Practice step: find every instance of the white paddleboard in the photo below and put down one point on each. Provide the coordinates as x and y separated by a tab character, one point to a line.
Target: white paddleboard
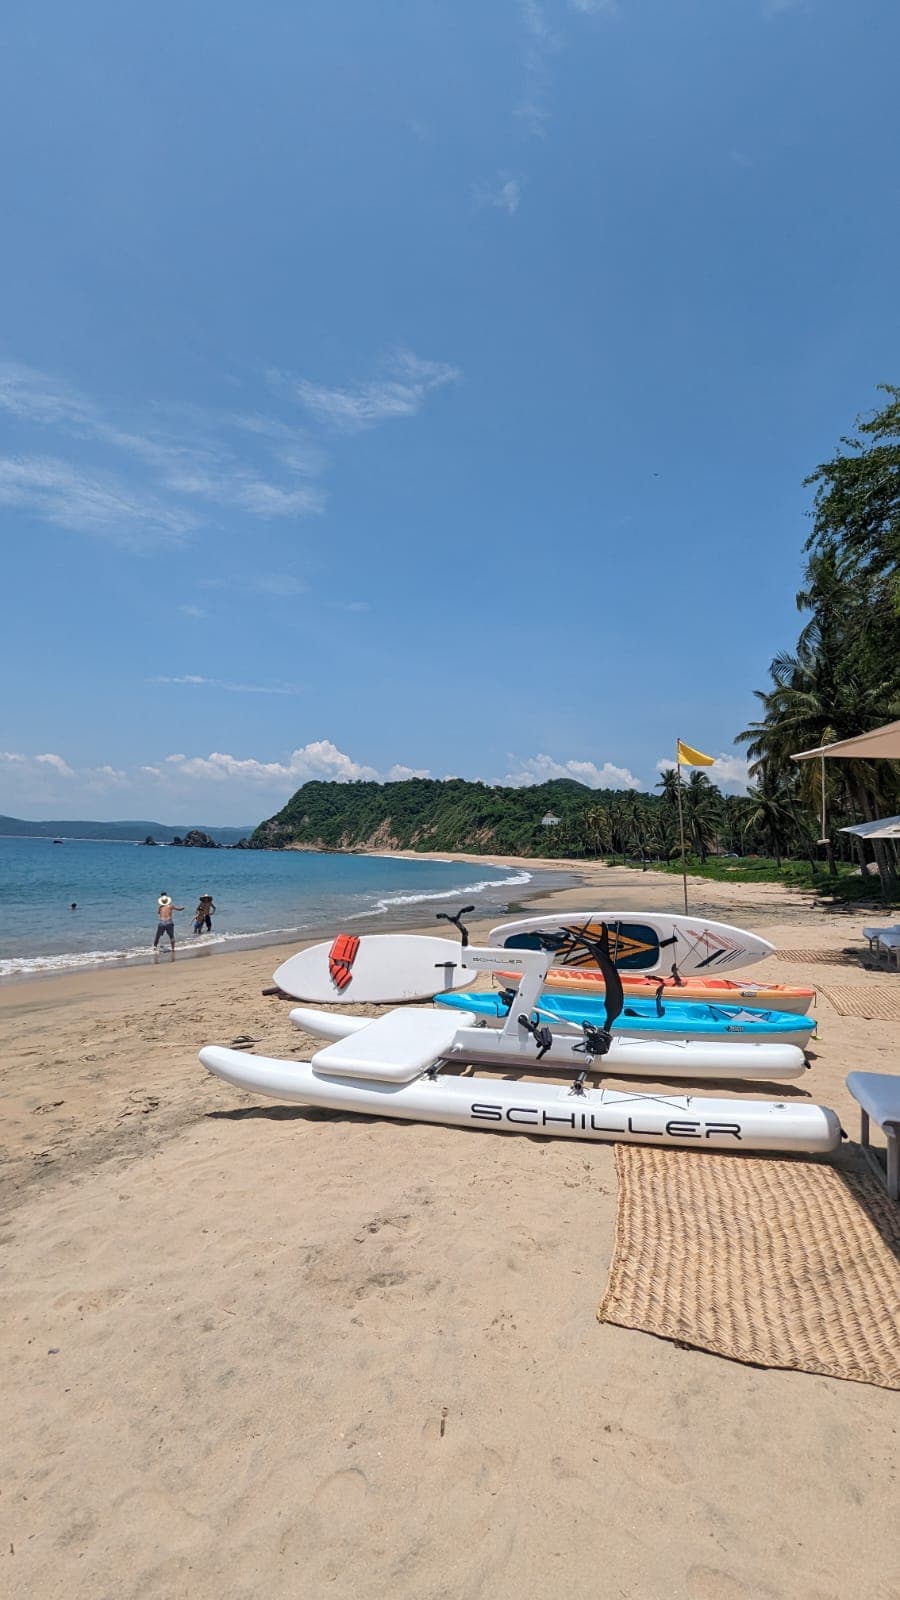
387	969
641	941
692	1120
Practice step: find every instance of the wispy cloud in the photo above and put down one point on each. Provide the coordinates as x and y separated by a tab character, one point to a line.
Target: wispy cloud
95	503
139	480
504	194
193	680
539	43
401	392
777	8
160	469
596	8
280	585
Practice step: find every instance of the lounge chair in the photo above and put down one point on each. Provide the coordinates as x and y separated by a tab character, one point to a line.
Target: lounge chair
888	944
878	1097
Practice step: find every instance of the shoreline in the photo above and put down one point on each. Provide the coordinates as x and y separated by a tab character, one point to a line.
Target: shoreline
396	918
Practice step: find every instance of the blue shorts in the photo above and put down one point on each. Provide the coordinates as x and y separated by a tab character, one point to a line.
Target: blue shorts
165	927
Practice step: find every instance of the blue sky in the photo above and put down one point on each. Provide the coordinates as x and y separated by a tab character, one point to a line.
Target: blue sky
420	386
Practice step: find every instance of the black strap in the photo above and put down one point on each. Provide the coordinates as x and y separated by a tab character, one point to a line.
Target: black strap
542	1036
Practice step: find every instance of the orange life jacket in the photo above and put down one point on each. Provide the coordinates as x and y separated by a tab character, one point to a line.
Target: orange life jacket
341	958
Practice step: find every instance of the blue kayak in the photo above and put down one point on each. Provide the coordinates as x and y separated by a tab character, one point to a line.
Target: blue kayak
674	1019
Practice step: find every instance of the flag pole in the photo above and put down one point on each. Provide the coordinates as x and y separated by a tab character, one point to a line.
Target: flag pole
681	824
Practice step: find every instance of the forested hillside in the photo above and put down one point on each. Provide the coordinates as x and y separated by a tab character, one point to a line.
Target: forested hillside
432	814
426	814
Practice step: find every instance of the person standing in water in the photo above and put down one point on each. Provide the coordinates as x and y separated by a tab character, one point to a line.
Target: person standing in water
204	914
166	920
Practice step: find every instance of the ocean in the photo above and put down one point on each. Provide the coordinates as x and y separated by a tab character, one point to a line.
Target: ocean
263	897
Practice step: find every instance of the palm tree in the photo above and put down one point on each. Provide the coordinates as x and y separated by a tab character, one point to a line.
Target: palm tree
702	812
827	690
597	829
769	812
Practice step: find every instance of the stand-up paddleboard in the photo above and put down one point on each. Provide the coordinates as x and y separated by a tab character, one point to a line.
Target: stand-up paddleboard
453	1038
382	969
640	1019
558	1109
640	941
588	981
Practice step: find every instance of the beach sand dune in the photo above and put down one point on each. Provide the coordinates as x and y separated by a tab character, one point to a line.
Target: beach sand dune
253	1350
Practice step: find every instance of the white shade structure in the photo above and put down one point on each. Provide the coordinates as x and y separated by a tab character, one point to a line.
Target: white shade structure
879	744
883	828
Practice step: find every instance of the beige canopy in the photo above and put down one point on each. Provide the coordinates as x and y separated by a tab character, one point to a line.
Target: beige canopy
879	744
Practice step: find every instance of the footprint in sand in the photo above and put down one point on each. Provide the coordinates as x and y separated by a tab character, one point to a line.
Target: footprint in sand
342	1493
711	1583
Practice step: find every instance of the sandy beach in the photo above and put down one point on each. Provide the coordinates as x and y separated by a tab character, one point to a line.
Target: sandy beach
254	1350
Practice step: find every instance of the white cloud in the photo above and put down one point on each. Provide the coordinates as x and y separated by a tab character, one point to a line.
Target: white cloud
319	759
397	773
192	611
99	504
596	8
541	768
193	680
727	771
402	392
57	763
504	194
48	779
730	772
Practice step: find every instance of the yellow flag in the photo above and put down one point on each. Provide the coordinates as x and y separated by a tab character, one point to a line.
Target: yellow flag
692	758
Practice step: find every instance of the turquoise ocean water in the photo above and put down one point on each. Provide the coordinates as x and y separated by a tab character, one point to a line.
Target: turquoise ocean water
262	897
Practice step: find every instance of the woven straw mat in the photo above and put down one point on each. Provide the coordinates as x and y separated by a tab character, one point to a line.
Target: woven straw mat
780	1263
821	958
867	1000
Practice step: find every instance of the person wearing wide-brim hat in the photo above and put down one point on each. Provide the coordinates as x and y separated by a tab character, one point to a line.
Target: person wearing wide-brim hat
204	914
165	923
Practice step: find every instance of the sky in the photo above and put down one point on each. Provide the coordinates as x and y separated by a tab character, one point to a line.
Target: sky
421	387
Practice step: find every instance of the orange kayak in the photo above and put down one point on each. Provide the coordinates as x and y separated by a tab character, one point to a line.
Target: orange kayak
765	996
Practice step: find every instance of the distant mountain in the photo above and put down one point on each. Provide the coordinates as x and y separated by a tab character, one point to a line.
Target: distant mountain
117	831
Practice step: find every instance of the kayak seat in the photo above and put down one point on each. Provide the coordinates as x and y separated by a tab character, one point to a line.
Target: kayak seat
394	1048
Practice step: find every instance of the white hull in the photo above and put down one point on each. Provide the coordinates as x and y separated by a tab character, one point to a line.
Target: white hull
388	969
595	1114
626	1057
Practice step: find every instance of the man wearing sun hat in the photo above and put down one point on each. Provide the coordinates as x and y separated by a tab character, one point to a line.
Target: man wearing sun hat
166	920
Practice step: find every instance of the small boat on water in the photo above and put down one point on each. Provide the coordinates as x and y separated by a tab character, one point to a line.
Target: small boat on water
692	1021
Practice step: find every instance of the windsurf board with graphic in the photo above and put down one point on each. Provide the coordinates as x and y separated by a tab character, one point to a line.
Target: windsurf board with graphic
639	941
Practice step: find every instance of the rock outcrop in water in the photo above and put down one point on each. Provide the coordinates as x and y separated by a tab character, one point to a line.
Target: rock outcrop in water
196	839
